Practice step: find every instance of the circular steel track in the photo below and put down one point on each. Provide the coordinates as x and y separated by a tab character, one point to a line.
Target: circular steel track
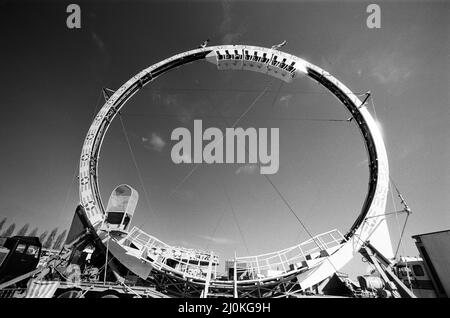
275	63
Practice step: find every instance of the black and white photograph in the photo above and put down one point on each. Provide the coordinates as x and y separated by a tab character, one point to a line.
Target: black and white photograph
225	156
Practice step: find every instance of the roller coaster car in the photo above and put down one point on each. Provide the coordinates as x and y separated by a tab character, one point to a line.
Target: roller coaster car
19	255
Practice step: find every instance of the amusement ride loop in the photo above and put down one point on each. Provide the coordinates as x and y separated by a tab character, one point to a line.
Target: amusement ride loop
327	259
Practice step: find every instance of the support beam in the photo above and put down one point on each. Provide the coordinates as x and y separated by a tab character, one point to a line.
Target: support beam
235	277
20	278
383	266
208	277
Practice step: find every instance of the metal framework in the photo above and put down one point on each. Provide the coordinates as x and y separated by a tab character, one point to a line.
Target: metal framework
288	276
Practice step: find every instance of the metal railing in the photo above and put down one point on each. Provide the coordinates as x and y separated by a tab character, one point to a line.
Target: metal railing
188	262
194	263
289	259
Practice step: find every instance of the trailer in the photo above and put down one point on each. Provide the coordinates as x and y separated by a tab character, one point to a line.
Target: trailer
434	249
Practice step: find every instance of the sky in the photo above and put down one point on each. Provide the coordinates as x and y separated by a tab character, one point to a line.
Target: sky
51	83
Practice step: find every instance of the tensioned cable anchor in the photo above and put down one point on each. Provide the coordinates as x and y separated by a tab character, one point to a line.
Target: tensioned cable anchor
368	94
107	93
